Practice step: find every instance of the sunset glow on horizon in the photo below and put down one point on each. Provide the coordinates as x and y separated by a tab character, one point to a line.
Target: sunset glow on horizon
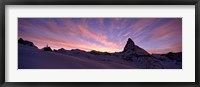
155	35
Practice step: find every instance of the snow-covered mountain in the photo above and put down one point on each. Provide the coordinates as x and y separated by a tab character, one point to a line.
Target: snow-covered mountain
132	57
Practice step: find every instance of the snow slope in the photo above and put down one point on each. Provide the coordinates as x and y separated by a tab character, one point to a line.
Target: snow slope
32	58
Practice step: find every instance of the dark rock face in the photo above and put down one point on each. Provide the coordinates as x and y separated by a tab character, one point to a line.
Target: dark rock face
61	49
130	47
47	48
27	43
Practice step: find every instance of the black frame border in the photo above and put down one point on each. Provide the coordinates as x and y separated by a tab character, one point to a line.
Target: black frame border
98	2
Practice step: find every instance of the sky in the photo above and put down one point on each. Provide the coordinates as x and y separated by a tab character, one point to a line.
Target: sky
155	35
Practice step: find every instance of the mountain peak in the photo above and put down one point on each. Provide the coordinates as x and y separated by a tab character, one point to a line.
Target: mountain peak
130	41
130	47
47	48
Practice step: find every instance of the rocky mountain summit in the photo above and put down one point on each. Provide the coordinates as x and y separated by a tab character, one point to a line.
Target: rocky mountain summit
130	47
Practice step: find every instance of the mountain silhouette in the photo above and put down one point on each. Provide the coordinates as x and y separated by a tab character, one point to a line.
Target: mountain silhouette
27	43
47	48
130	47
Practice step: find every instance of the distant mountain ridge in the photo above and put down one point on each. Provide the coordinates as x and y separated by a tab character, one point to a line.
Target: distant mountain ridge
130	47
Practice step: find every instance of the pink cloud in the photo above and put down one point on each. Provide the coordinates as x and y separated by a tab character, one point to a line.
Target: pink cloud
96	36
166	31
